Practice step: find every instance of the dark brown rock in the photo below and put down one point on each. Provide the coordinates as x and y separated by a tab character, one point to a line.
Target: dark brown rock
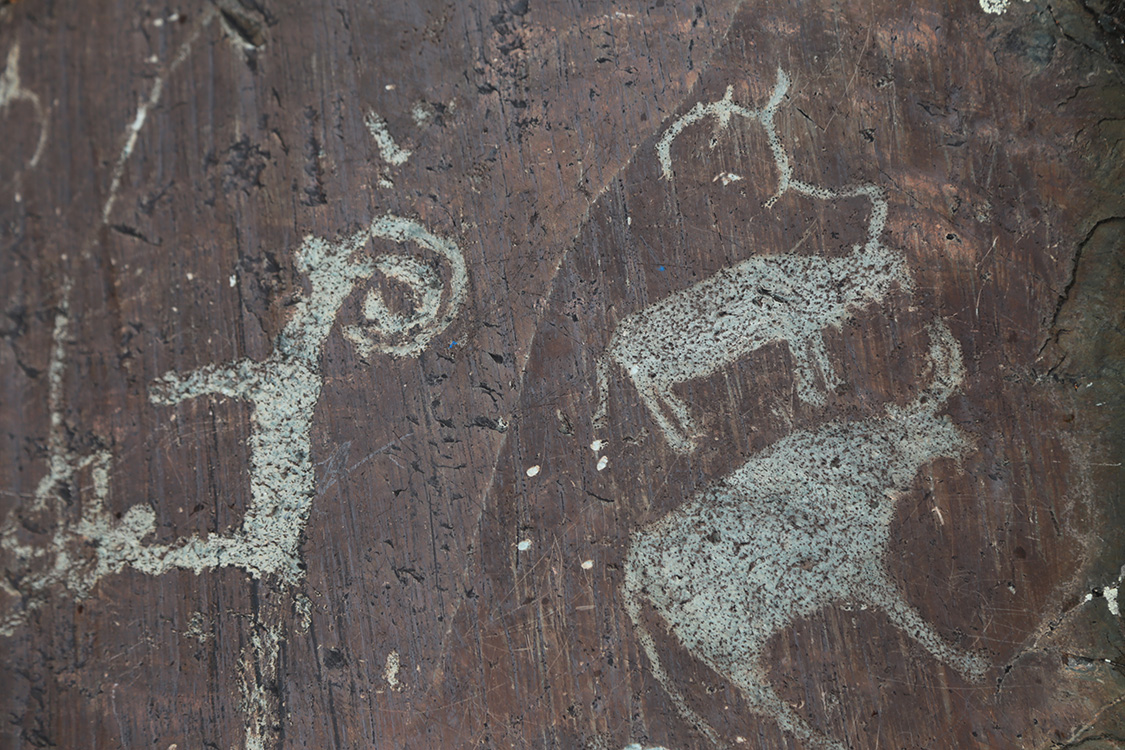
161	171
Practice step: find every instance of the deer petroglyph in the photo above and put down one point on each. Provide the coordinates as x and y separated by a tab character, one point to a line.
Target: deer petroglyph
787	298
800	526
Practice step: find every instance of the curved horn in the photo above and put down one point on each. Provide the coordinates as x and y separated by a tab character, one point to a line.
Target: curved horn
408	335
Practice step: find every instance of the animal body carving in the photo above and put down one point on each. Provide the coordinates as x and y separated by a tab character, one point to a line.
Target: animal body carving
800	526
785	298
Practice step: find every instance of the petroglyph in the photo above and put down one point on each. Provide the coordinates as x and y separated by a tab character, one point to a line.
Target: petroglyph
115	543
257	670
407	335
390	151
283	390
35	569
785	298
11	91
800	526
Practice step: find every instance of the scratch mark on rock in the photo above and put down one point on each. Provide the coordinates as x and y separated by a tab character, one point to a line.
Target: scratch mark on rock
133	130
11	90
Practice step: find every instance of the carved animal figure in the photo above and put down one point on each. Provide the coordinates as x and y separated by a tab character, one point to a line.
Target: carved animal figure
786	298
283	390
780	298
800	526
285	387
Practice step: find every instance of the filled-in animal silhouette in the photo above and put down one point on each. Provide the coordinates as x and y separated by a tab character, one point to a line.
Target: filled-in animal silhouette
282	389
781	298
800	526
285	387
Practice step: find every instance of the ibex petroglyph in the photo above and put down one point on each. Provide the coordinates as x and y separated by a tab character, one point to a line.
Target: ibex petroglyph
800	526
786	298
283	390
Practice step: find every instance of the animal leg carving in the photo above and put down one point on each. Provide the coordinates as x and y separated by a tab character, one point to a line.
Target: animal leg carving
762	699
901	613
687	713
234	380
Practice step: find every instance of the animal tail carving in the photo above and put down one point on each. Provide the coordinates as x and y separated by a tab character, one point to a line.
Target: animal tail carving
633	609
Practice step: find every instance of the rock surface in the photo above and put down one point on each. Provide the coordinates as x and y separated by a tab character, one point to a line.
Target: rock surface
310	435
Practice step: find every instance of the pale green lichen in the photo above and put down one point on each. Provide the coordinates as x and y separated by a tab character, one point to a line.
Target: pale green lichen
258	676
283	391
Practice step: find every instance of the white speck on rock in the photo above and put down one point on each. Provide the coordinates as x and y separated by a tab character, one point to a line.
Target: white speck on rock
391	670
995	6
603	462
524	546
533	470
